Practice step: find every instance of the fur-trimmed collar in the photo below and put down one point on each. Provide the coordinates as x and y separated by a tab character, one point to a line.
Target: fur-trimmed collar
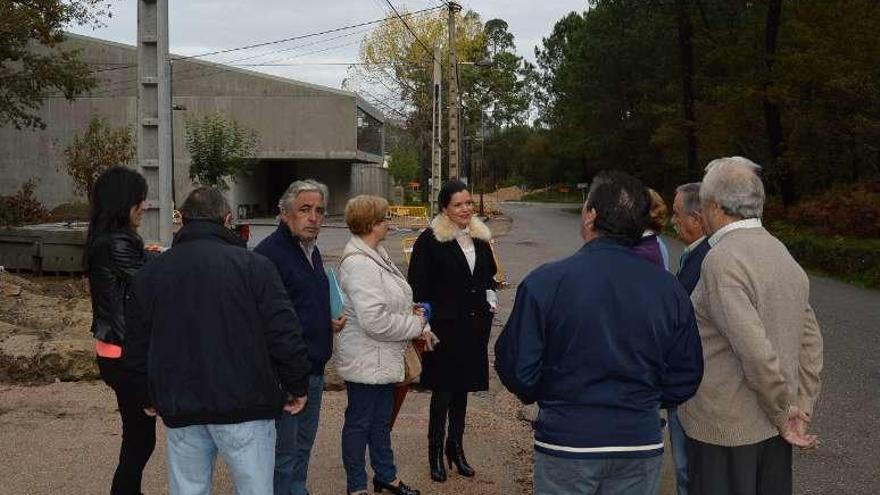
445	230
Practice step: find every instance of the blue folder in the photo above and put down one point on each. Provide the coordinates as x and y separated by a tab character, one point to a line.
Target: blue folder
337	300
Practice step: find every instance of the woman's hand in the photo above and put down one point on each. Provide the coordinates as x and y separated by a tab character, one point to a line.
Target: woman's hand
429	339
338	324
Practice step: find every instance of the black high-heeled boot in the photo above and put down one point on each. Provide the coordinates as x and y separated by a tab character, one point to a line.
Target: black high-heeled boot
455	455
454	443
435	461
436	433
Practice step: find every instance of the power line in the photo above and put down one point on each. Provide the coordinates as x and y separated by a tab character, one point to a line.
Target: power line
219	69
112	85
285	40
428	50
310	35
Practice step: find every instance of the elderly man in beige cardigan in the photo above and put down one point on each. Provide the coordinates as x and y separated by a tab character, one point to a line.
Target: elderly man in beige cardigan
761	345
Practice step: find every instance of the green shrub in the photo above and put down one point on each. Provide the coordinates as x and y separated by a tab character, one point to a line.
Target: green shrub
22	207
852	260
851	211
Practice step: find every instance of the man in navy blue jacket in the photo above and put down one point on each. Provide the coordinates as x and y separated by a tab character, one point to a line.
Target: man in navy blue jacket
688	224
293	248
601	340
215	345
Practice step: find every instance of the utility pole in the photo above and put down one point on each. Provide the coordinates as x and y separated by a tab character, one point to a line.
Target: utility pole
454	149
436	133
154	118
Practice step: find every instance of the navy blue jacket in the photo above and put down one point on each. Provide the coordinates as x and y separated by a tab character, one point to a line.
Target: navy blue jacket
308	289
689	274
211	337
601	340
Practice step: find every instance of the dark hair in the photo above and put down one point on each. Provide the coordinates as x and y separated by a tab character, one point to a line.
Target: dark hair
448	190
622	206
116	191
205	203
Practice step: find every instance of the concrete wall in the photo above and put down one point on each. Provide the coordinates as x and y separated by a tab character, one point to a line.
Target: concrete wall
312	125
370	179
40	153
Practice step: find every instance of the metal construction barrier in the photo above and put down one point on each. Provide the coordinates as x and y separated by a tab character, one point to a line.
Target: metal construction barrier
408	217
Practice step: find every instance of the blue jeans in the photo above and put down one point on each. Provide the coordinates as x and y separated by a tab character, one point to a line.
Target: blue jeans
248	449
368	422
678	442
296	435
562	476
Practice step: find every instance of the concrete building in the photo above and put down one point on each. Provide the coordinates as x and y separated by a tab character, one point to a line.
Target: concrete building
305	130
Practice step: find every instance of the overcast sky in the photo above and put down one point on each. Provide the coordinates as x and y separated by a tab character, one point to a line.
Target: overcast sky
199	26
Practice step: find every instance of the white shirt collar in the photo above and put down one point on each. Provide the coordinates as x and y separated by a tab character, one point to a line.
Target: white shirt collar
749	223
309	249
694	244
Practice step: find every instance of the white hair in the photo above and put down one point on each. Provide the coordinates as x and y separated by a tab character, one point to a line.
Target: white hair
733	183
301	186
690	194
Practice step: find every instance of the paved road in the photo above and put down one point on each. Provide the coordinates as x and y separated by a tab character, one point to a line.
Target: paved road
847	417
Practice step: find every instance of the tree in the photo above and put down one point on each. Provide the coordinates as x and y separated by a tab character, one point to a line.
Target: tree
792	85
499	90
220	149
31	61
404	152
98	149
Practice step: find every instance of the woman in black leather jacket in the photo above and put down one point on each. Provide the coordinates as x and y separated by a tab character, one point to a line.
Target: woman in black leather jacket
114	253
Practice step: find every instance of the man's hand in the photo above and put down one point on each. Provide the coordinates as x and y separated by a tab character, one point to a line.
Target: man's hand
150	411
295	405
795	429
338	324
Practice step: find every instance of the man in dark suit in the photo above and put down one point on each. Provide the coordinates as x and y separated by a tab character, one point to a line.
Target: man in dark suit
688	224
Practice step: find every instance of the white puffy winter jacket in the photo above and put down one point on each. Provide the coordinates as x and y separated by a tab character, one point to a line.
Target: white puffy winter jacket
378	302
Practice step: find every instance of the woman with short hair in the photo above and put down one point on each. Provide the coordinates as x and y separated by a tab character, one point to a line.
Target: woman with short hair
369	350
452	268
114	252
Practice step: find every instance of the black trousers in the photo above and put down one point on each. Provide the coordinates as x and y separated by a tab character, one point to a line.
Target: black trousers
451	405
759	469
138	430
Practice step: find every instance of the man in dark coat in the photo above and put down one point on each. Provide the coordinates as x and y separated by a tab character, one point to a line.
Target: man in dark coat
293	248
217	350
601	340
688	224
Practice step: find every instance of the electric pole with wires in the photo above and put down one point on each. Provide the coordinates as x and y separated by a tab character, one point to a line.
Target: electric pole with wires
454	145
436	132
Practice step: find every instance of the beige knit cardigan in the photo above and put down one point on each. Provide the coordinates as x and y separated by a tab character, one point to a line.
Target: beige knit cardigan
762	347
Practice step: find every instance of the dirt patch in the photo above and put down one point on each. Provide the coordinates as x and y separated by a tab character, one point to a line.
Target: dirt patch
45	330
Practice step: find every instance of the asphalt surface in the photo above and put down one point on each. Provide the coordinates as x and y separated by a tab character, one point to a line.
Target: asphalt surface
847	416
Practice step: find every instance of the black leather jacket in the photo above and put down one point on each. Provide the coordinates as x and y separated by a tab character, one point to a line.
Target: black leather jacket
113	259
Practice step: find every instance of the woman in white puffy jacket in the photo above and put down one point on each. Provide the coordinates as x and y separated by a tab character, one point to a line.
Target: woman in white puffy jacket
369	351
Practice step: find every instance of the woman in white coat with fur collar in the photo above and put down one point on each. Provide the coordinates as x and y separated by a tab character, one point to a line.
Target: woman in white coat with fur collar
369	351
